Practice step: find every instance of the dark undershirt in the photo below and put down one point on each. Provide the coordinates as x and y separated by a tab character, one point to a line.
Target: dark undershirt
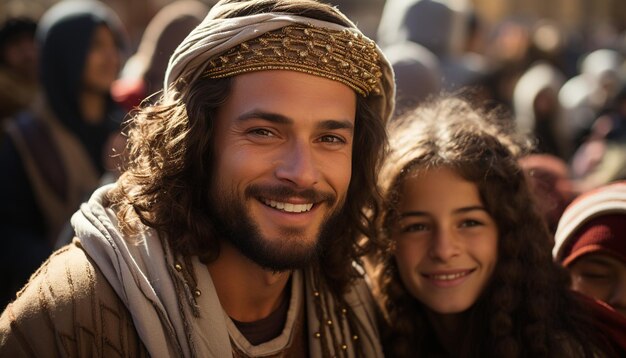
268	328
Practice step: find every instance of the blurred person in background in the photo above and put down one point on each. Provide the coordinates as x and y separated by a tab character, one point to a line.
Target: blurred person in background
441	28
550	183
507	50
537	110
142	75
418	75
585	95
18	65
54	154
591	243
550	43
601	158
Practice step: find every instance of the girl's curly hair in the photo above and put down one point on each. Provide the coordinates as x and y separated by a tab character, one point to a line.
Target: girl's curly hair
526	310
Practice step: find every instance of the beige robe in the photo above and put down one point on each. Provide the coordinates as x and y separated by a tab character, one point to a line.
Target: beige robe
81	175
104	296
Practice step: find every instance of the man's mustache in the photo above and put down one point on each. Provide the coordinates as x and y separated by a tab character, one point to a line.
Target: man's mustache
284	193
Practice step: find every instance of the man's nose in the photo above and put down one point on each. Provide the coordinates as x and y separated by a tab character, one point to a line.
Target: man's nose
298	165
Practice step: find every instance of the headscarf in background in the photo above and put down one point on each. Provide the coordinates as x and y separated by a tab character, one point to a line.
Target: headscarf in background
143	73
439	26
584	95
417	73
594	222
542	82
64	37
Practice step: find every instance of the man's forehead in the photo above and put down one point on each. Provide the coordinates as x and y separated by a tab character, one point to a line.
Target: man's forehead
286	97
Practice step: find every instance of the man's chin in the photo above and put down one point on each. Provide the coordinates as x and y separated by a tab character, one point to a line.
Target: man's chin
280	255
268	243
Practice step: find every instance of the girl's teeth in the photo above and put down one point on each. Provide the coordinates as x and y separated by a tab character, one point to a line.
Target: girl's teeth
448	277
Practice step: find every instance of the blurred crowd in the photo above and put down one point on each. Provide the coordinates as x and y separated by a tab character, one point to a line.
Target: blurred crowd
70	77
565	89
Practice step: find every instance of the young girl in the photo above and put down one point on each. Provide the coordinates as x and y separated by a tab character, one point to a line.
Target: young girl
469	269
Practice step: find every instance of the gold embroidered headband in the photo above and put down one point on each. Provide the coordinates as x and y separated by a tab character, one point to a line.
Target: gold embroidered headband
340	55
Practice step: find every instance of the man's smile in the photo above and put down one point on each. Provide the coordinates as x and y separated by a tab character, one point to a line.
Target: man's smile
288	207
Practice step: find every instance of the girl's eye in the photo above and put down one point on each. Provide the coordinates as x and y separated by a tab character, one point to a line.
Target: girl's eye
470	223
417	227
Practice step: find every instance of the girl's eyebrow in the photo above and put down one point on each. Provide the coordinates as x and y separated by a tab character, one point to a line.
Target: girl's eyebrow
470	208
412	213
456	211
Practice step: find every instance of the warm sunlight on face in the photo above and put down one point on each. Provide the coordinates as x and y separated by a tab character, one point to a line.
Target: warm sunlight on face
284	157
446	242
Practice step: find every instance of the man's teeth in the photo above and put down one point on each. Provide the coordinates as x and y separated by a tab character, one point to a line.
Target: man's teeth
448	277
288	207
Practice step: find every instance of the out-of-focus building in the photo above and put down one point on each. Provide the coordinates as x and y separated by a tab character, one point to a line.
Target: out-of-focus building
600	19
572	14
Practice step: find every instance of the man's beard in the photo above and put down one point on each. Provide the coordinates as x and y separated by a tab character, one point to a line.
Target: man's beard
293	249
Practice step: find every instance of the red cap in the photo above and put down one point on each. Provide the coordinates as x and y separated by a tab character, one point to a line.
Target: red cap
603	234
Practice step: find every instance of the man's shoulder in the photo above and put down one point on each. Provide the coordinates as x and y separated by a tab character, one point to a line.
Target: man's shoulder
68	306
68	277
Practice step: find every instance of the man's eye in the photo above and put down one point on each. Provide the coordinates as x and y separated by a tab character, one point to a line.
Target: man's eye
331	139
262	132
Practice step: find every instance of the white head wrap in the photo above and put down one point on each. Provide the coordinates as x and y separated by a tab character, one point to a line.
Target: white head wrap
217	35
604	200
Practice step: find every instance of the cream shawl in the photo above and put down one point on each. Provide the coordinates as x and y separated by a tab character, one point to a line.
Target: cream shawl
172	321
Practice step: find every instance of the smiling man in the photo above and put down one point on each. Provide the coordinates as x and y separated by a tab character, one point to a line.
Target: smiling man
284	143
236	228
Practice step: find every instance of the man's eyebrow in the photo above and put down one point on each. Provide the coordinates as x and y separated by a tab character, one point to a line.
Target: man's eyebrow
328	124
332	124
267	116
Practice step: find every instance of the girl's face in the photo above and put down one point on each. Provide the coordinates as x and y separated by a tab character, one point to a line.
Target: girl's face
446	242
